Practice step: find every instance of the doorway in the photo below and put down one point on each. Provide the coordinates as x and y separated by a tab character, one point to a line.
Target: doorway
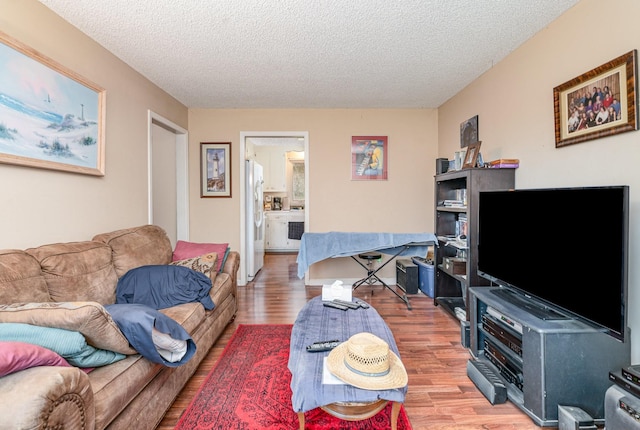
168	193
247	139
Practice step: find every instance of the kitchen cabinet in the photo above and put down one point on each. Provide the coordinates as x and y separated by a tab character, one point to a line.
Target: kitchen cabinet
277	230
273	160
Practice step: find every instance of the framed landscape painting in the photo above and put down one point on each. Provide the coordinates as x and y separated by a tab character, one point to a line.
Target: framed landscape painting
50	117
369	158
598	103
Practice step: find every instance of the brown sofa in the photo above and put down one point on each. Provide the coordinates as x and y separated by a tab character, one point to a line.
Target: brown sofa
133	393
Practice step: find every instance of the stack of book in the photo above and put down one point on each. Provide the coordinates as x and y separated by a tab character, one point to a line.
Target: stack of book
627	378
454	203
504	163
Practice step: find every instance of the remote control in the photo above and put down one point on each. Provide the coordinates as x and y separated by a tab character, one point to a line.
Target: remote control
363	305
335	305
326	341
346	303
324	346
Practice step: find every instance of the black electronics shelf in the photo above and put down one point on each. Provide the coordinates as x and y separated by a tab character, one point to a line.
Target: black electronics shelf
456	213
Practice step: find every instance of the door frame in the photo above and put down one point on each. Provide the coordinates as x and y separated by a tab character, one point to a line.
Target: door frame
242	279
182	172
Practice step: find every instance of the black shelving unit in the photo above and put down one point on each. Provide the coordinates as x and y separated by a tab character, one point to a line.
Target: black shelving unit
451	290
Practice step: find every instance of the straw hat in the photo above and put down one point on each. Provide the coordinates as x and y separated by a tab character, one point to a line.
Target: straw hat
366	362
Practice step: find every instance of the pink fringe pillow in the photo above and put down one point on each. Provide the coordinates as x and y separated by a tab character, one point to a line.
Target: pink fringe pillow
185	250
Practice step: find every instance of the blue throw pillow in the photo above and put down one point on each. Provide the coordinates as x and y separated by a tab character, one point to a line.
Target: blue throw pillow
71	345
224	259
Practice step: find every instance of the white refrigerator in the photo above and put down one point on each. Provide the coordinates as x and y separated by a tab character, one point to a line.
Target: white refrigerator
255	218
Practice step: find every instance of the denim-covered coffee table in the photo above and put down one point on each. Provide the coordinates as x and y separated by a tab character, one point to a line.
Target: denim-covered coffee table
316	322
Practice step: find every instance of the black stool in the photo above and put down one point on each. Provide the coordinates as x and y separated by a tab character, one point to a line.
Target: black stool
371	277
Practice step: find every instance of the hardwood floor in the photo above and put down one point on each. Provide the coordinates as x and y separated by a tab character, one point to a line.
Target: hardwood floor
440	395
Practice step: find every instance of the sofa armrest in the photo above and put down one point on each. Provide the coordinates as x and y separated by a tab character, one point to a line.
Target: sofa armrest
47	397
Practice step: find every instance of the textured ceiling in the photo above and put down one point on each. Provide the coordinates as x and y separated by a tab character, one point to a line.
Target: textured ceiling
311	53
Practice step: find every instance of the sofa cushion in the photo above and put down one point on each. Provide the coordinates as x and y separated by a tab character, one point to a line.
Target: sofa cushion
203	264
137	246
186	250
71	345
21	279
89	318
77	271
189	315
16	356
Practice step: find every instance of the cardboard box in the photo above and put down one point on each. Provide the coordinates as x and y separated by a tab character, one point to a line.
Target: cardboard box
454	265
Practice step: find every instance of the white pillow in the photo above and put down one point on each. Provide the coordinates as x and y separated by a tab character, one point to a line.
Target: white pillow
169	348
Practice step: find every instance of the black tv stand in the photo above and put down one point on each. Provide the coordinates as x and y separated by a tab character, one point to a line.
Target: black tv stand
538	310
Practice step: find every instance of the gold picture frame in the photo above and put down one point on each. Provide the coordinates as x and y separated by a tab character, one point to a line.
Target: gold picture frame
471	156
50	117
574	99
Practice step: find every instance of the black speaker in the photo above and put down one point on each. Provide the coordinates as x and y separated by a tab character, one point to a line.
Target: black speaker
487	382
442	165
574	418
407	275
465	333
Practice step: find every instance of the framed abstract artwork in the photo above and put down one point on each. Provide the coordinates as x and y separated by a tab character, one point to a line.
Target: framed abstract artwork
50	117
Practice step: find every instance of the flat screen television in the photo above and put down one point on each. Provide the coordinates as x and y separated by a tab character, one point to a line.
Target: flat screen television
564	249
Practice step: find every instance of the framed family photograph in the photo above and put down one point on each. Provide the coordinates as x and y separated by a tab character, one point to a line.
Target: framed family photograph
215	169
369	158
598	103
471	156
50	117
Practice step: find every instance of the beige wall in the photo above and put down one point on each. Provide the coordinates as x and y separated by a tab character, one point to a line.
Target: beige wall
514	101
403	203
41	206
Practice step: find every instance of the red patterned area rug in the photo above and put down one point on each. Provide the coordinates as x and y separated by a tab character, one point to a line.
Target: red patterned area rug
249	389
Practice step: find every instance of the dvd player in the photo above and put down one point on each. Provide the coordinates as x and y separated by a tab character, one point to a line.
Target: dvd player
505	319
497	330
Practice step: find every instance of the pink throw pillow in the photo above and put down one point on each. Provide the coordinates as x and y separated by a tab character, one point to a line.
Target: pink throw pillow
16	356
185	250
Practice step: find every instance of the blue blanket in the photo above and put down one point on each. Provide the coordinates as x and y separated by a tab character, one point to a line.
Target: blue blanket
136	322
316	322
160	287
316	247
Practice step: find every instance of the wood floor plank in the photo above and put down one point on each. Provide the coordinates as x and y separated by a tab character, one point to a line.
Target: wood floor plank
440	395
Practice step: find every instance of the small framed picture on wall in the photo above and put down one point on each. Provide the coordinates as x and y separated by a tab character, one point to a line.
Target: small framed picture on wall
215	169
369	158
